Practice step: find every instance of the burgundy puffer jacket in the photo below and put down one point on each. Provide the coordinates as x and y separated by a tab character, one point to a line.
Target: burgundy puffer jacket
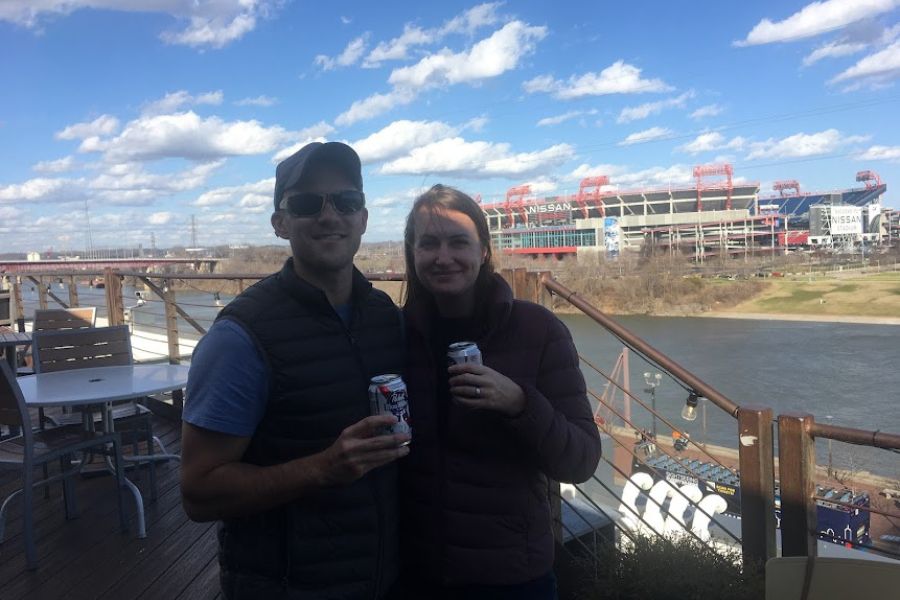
474	493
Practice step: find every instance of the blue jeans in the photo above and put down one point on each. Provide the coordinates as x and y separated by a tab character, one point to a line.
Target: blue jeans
542	588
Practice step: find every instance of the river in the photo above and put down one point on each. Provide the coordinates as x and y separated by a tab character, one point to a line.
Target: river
849	372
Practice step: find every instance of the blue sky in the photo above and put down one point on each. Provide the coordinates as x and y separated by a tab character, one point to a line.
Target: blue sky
150	111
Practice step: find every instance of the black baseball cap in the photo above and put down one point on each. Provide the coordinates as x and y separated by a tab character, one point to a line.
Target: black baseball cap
290	172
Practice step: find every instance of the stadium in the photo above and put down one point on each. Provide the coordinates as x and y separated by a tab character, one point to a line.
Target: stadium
715	215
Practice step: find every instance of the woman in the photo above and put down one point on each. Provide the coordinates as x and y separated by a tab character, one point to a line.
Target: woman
475	509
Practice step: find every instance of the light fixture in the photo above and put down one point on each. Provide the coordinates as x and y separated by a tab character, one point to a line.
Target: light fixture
689	412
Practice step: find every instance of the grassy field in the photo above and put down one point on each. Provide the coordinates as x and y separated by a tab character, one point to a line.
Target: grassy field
869	295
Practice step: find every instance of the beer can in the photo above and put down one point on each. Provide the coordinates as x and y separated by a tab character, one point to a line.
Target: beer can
463	352
387	396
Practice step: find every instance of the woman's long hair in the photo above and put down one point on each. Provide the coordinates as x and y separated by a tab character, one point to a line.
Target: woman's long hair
445	198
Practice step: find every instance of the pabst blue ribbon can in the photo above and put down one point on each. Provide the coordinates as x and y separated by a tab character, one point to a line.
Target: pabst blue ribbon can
387	396
463	352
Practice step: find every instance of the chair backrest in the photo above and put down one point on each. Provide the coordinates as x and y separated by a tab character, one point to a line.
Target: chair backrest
832	578
81	348
6	317
12	404
52	319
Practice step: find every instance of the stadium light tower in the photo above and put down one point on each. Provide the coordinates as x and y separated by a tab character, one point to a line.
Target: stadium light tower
725	170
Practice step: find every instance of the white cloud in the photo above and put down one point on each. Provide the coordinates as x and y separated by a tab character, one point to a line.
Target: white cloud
186	135
457	157
399	138
801	145
208	24
131	184
891	153
488	58
475	123
8	213
876	69
60	165
642	111
39	189
471	20
618	78
832	50
710	110
402	199
397	48
160	218
173	101
466	23
351	54
374	105
316	133
622	177
256	196
264	101
566	116
541	83
102	125
711	141
542	185
814	19
654	133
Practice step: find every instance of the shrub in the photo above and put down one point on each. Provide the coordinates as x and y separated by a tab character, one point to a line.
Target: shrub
676	569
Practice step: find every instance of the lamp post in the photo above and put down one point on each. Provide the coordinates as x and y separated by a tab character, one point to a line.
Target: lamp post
652	381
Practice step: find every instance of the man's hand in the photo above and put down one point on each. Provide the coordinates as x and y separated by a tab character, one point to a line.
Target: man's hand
361	448
478	386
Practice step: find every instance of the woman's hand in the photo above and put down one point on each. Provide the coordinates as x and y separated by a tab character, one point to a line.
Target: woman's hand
478	386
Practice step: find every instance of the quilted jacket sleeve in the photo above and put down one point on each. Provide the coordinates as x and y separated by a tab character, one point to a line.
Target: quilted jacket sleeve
557	423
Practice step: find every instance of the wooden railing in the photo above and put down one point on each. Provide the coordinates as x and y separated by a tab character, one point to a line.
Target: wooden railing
755	441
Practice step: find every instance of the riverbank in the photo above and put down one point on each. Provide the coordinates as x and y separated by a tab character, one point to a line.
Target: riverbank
800	317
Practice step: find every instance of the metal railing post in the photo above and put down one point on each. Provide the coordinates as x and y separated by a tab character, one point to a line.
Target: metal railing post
796	470
757	465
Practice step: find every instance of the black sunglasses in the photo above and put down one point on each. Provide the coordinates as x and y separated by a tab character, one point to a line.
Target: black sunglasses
310	204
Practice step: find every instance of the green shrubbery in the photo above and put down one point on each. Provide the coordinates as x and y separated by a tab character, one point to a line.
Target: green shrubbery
678	569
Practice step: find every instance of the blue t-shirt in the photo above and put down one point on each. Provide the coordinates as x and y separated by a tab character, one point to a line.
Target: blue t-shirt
228	384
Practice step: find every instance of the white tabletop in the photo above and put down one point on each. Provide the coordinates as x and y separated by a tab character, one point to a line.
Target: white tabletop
101	384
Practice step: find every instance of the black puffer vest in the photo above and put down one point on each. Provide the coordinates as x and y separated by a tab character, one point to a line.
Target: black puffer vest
339	543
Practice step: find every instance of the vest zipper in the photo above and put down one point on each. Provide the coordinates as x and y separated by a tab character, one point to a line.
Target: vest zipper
378	576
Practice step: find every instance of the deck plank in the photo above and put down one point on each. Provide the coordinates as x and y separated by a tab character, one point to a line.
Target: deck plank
89	558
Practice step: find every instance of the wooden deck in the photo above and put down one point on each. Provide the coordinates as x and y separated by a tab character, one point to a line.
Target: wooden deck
90	557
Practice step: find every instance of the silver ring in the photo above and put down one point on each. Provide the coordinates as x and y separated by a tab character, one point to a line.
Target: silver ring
478	391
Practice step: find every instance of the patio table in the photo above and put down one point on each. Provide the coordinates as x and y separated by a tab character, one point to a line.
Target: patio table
101	386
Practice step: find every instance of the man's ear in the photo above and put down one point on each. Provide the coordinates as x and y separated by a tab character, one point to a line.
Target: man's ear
279	224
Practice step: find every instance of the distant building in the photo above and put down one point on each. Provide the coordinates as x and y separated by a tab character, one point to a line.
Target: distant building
33	256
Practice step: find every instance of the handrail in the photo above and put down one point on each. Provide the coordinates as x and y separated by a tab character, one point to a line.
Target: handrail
860	437
676	370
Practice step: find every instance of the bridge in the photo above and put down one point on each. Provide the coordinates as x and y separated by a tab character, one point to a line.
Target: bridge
12	267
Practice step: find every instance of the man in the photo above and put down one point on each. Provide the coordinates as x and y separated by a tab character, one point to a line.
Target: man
277	442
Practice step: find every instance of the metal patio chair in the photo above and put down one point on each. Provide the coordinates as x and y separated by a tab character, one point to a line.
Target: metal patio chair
38	448
99	347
